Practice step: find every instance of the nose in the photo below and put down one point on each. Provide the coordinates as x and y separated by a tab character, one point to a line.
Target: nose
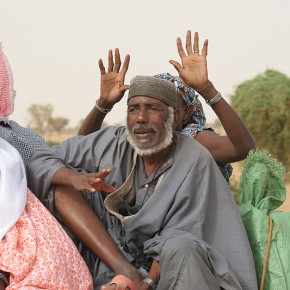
142	116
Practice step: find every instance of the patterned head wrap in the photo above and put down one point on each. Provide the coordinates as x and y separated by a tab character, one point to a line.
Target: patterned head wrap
7	93
189	95
154	88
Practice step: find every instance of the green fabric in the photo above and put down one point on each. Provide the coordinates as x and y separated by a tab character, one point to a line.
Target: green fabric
262	190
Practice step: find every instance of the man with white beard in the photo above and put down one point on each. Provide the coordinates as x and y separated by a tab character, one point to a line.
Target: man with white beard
170	220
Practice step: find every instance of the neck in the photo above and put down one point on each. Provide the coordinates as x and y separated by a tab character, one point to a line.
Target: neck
154	161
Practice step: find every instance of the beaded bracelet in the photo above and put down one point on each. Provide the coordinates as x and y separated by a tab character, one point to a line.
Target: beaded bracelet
103	110
150	282
214	100
4	279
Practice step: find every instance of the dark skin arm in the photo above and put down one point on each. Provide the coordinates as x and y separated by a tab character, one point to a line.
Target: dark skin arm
2	284
154	274
112	91
82	181
87	227
193	70
84	222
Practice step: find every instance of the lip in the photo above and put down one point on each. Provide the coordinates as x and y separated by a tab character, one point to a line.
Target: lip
143	131
143	134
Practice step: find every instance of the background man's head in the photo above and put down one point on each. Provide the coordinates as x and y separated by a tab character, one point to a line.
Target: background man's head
188	102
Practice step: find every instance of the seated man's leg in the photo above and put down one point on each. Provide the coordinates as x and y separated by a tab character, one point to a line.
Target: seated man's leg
88	228
184	265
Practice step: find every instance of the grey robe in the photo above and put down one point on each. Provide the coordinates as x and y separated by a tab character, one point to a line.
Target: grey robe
193	200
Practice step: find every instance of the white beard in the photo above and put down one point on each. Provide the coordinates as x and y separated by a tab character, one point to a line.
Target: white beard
167	140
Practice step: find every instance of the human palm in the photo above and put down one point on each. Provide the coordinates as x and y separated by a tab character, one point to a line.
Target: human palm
193	67
112	80
112	86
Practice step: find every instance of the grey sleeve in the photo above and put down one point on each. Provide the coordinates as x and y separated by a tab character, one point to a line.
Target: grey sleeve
77	152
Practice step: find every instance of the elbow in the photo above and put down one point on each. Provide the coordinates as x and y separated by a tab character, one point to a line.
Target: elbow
251	145
244	150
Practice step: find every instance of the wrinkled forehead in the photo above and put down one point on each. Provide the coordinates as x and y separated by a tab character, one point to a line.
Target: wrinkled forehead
146	101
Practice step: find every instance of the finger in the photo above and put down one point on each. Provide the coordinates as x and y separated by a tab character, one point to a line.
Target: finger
177	65
110	61
117	60
89	187
123	88
94	180
205	48
188	42
104	173
108	188
101	67
180	48
196	43
125	65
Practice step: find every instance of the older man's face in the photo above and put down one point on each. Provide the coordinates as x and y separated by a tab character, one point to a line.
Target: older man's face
148	124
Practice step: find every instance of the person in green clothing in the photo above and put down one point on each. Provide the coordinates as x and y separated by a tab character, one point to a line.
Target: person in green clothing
261	193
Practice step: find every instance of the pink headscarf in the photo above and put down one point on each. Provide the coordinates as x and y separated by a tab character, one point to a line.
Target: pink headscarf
7	93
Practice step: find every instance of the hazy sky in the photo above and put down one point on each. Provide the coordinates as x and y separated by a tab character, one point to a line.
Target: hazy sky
54	45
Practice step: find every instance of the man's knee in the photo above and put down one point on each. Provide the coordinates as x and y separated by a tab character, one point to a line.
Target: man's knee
179	246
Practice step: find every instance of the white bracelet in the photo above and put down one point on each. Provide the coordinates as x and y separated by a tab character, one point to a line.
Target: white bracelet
103	110
150	282
214	100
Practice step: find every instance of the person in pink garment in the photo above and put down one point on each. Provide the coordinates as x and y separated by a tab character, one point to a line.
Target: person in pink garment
35	252
24	140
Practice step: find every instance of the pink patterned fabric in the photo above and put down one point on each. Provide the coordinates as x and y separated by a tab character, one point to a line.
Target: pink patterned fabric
7	93
38	254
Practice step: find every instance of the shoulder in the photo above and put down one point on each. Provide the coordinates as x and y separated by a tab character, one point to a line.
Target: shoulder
22	133
191	130
190	147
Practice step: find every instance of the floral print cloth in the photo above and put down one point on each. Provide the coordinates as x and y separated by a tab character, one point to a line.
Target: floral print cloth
38	254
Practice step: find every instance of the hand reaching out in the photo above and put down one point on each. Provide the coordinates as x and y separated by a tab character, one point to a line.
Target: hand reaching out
112	80
92	181
193	67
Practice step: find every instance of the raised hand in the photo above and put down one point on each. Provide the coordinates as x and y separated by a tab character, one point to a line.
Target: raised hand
112	80
193	67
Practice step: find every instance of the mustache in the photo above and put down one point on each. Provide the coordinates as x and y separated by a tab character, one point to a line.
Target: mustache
144	127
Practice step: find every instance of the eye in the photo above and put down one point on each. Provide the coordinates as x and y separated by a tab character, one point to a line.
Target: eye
154	109
132	109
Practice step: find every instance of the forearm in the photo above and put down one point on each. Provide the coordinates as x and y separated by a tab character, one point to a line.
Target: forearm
93	121
235	128
154	272
153	275
85	224
64	176
88	228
